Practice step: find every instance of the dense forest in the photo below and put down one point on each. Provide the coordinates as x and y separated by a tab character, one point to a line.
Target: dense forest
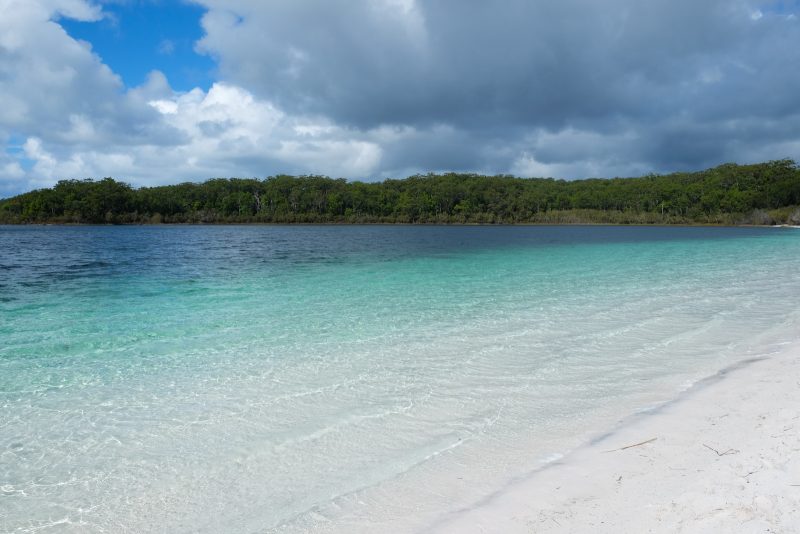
765	193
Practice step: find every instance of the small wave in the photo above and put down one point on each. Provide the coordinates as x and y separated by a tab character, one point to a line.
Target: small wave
96	264
551	458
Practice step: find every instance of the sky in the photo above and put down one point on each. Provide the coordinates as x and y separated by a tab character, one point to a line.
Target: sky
159	91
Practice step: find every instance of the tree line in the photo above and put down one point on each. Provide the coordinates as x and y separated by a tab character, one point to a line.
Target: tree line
764	193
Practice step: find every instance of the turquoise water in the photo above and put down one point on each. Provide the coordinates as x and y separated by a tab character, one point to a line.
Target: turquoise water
345	379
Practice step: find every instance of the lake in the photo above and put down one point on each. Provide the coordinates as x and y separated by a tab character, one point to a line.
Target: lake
348	378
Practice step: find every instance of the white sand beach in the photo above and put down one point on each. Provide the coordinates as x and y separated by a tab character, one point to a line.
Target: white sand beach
725	457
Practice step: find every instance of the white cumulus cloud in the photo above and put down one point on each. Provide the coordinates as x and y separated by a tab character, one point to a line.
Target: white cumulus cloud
76	119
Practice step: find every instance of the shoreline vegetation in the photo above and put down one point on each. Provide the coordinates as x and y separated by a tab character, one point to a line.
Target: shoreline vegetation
761	194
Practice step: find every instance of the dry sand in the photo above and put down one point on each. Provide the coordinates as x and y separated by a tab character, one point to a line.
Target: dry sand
725	457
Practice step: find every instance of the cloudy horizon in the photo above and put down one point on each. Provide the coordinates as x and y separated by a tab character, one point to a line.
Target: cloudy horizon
371	89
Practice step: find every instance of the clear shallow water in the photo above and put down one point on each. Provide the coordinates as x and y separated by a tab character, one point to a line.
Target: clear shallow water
266	378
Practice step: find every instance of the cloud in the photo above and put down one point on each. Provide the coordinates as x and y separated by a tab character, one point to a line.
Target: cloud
378	88
166	47
663	72
77	120
373	62
227	124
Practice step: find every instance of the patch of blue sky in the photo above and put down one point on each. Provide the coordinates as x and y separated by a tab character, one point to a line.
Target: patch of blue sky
781	7
136	37
15	145
15	148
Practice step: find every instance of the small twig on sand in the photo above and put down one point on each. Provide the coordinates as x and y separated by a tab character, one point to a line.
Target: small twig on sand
634	445
751	473
729	451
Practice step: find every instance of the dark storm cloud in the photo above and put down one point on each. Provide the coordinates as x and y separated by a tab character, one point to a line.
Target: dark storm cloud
673	74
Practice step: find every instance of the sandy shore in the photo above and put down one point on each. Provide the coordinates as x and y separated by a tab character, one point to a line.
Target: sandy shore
725	457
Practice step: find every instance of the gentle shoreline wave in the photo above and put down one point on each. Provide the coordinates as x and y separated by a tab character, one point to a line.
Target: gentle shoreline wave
586	473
